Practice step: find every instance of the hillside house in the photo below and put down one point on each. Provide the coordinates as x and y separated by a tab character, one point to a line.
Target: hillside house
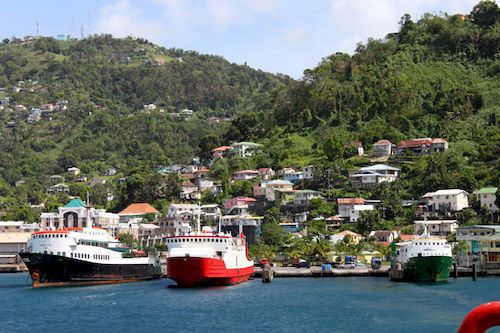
56	179
269	188
245	149
245	174
339	237
439	144
58	188
437	227
97	181
357	145
188	211
285	171
20	107
384	236
201	173
221	152
238	204
137	213
189	191
415	146
487	197
345	205
266	173
187	113
452	200
74	171
383	148
369	177
203	184
294	177
304	197
356	210
124	60
110	172
307	172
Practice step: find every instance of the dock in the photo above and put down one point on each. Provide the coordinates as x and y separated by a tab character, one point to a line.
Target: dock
317	271
13	268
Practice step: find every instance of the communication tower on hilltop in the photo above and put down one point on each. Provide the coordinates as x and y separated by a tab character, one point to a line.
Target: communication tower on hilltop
81	31
38	28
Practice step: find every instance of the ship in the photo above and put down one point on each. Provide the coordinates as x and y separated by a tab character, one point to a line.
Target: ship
207	258
84	256
422	259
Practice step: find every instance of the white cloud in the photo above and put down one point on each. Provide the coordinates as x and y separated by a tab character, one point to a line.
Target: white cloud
296	37
121	19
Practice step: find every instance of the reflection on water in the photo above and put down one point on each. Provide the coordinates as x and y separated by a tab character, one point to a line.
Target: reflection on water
341	304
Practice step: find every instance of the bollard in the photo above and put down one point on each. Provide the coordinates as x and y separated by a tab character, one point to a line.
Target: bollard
455	269
267	274
474	272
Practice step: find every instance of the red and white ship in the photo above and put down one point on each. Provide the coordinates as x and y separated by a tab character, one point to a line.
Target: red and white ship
208	259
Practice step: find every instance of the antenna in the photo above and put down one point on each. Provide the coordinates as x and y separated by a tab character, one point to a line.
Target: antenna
199	217
81	31
88	21
38	28
72	27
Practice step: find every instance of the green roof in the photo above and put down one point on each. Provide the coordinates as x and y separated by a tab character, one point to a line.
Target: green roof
486	190
247	143
75	203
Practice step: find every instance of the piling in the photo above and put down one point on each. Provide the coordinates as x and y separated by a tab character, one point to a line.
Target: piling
455	269
474	272
267	274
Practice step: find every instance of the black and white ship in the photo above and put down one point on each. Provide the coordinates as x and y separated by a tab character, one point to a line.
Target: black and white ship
82	256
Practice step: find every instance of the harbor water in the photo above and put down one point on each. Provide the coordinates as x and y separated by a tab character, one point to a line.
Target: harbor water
342	304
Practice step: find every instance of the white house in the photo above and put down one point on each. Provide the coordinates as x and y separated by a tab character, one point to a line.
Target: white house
304	197
345	205
74	171
384	236
369	177
182	210
270	187
356	211
383	148
245	174
437	227
245	149
452	200
487	197
307	171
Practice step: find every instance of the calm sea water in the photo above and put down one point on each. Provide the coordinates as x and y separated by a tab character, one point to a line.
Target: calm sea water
350	304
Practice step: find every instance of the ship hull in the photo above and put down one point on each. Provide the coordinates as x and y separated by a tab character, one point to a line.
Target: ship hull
423	269
195	271
48	270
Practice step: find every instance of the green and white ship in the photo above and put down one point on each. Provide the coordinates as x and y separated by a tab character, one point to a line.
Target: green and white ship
423	259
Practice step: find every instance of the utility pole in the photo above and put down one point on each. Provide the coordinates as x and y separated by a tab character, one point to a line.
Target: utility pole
81	31
38	28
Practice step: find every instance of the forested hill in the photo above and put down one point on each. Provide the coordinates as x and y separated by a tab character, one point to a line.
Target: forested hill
435	77
106	82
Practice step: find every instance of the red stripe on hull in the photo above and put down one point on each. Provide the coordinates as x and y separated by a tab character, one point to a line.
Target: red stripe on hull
193	271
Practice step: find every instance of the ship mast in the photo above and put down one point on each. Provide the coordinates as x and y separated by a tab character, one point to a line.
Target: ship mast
89	221
198	222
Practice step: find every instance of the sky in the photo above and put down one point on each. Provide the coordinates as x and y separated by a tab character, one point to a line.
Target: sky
278	36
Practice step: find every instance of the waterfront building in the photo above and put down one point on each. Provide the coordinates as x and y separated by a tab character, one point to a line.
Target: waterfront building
487	197
484	241
74	215
138	212
437	227
13	238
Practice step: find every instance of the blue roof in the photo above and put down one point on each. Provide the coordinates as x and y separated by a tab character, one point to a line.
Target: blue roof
75	203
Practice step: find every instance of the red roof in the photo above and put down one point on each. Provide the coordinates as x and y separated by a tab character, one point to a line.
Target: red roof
202	170
222	148
264	169
438	140
382	142
188	183
407	237
415	143
245	198
350	200
187	175
139	209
